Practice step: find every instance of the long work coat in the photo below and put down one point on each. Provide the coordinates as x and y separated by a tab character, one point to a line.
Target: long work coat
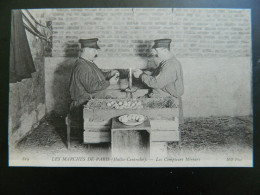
165	80
87	81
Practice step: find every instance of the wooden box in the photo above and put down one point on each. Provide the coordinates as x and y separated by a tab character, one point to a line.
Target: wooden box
162	112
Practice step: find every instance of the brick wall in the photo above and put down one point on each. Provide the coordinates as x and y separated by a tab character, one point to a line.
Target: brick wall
129	32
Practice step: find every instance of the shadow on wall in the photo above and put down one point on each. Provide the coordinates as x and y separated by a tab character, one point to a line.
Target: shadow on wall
143	48
72	49
60	86
61	96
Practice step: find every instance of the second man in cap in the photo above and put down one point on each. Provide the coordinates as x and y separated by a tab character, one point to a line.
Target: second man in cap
167	78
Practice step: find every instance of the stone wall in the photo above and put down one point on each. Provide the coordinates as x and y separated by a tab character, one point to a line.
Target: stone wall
27	98
26	103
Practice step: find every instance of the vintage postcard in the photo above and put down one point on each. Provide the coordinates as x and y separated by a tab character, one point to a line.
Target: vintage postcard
131	87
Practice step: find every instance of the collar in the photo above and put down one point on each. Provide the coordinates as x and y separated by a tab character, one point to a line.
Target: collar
86	60
170	57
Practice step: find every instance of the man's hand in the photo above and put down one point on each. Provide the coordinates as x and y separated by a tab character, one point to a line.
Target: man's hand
137	73
114	72
114	80
148	72
109	97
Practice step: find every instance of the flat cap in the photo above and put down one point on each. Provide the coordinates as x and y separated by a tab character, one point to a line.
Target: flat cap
91	43
162	43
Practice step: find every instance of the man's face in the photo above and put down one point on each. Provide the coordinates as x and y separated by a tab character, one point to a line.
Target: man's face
90	53
157	56
161	53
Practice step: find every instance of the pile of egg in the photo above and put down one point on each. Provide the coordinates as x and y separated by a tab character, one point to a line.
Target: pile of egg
125	104
132	117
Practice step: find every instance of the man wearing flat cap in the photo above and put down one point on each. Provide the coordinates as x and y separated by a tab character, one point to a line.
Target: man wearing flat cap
87	81
167	78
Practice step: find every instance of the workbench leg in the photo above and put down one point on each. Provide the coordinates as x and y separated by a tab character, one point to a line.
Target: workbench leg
68	137
68	122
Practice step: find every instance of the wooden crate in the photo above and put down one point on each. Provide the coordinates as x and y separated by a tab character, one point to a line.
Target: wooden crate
161	130
96	136
97	131
164	123
152	114
102	133
100	124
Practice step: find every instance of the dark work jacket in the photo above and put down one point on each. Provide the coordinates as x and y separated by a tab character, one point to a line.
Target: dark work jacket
87	81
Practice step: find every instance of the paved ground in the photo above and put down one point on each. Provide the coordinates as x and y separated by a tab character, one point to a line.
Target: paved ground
202	136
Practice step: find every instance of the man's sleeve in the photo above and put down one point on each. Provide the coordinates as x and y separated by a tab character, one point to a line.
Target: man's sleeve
107	74
147	72
92	83
179	83
167	74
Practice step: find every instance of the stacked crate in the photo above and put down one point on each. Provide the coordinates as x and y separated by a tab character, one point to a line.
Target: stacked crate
163	119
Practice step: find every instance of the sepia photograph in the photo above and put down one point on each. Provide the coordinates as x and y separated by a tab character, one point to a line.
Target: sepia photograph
130	87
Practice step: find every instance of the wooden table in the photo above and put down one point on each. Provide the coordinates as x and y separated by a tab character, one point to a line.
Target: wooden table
130	141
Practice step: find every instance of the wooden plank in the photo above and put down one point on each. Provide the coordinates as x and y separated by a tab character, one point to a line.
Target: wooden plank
97	124
152	114
171	125
99	129
165	136
104	136
96	137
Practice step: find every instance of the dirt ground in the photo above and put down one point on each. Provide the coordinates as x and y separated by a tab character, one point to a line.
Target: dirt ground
209	137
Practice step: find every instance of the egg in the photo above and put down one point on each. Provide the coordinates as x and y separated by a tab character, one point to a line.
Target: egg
141	118
130	117
124	120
